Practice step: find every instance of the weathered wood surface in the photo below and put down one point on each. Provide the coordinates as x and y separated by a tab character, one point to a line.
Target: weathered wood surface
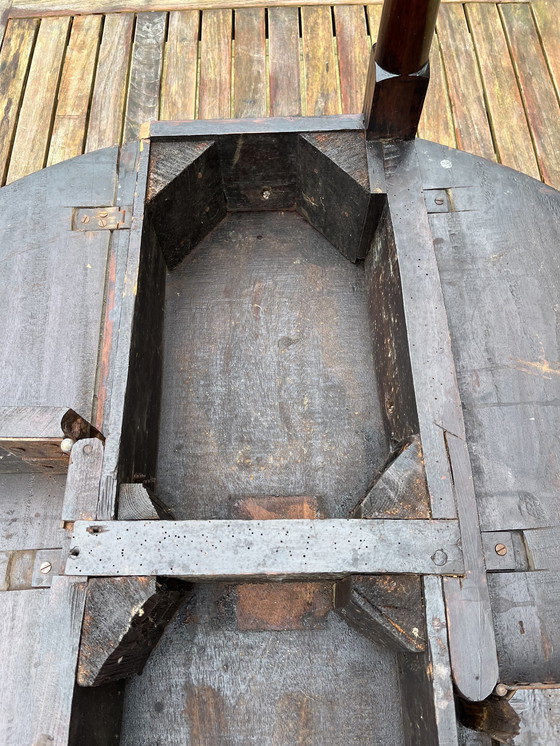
226	686
264	549
249	68
51	336
178	89
39	648
284	61
30	511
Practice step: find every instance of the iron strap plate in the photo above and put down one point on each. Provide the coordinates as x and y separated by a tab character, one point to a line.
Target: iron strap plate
202	550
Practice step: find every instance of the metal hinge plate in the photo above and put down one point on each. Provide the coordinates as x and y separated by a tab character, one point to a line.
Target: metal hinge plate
101	218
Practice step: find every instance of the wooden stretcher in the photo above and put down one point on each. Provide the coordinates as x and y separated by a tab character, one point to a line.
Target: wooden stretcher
279	434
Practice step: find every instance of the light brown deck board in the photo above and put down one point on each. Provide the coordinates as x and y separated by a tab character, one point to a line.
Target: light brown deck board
109	93
33	130
15	58
492	94
537	90
69	128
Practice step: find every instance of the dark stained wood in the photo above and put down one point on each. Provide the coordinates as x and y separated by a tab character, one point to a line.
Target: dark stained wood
124	619
400	491
249	64
184	173
405	35
494	716
142	103
284	61
333	190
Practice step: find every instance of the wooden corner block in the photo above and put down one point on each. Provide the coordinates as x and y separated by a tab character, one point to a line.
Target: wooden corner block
281	606
123	621
138	503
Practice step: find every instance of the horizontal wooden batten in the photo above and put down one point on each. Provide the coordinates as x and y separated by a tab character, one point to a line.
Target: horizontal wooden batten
276	549
31	8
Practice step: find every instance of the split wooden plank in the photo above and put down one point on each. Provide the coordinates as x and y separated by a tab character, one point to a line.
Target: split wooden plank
353	55
69	128
510	130
180	69
436	122
546	17
15	59
109	93
215	65
321	84
284	61
537	89
373	13
466	93
145	73
33	129
249	66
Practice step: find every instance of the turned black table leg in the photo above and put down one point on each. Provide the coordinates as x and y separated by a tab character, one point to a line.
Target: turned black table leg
399	70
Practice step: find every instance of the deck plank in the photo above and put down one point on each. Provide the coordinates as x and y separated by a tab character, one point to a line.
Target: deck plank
145	73
537	89
353	55
321	84
180	70
69	128
215	65
503	99
284	62
109	93
436	122
32	135
466	93
249	64
15	59
546	17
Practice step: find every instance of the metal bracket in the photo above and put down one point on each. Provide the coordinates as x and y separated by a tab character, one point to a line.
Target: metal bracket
101	218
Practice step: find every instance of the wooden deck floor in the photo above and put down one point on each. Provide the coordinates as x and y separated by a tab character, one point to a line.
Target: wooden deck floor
71	84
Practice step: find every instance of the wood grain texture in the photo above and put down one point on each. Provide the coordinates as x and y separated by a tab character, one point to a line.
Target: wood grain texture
537	89
353	55
464	83
180	69
249	64
215	65
546	18
111	76
539	711
320	64
142	103
82	484
15	58
226	685
69	126
284	61
513	145
30	147
436	122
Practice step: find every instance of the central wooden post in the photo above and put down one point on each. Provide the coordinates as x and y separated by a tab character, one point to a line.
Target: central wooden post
399	70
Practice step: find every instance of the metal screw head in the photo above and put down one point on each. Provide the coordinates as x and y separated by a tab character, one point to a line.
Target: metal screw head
102	223
439	557
102	214
45	567
85	219
501	549
265	194
439	200
500	690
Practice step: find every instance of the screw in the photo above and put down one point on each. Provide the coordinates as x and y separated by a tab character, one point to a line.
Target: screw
85	219
439	200
265	194
102	223
88	449
45	567
500	690
501	549
66	445
102	214
439	557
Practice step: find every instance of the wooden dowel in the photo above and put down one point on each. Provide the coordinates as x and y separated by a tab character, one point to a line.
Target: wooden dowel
405	35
